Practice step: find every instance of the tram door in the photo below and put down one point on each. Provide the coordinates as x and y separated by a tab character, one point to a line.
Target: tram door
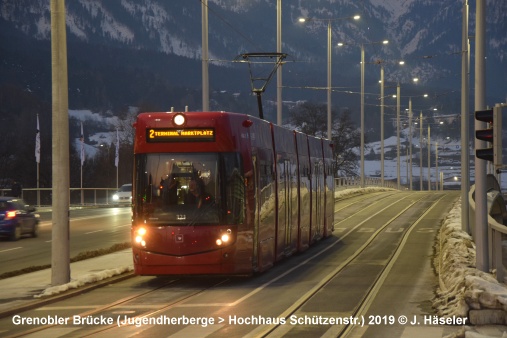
284	222
255	179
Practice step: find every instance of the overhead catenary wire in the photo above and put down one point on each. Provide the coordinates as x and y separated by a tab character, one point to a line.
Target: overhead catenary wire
233	28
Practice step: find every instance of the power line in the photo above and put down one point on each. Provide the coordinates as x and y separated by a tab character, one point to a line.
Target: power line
246	38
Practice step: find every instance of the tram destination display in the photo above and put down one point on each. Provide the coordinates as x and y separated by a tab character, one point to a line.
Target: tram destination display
180	134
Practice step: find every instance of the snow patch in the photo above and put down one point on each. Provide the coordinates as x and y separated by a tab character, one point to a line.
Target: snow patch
463	290
86	279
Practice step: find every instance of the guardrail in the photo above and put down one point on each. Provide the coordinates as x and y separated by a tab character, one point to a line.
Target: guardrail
495	232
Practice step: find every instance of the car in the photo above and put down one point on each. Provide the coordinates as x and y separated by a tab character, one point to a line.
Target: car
123	195
17	218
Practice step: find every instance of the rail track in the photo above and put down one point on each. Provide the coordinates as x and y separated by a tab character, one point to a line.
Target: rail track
369	236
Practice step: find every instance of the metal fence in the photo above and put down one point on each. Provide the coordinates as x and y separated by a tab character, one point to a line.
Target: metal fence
78	196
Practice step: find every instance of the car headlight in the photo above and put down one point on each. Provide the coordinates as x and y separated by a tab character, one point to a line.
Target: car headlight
116	197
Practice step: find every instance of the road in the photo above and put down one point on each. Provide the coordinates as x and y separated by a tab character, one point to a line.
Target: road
372	278
90	229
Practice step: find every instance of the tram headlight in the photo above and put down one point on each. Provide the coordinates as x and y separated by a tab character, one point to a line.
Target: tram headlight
179	119
139	236
224	238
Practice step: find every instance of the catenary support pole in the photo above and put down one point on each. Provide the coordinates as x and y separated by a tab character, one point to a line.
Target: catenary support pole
205	57
60	253
420	152
279	106
398	174
382	124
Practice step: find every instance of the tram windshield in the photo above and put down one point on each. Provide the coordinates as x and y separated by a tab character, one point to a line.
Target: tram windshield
189	189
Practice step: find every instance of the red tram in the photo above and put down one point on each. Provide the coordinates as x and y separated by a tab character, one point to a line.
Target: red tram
225	193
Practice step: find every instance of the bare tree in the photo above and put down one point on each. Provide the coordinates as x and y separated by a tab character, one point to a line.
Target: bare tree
346	137
310	118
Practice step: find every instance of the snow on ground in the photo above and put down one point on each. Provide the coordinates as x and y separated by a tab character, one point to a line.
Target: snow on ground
84	115
83	280
103	139
463	290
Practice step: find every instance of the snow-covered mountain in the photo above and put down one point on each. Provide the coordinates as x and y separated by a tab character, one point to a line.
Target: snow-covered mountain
425	33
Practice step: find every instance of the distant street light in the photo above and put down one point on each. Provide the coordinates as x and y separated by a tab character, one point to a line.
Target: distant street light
303	20
382	86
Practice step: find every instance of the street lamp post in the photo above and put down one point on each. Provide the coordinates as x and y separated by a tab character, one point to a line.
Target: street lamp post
329	49
382	86
429	159
205	57
398	134
420	152
410	140
436	166
410	131
279	69
362	116
382	124
362	106
329	79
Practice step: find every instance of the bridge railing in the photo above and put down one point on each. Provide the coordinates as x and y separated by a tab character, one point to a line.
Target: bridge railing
349	182
101	196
